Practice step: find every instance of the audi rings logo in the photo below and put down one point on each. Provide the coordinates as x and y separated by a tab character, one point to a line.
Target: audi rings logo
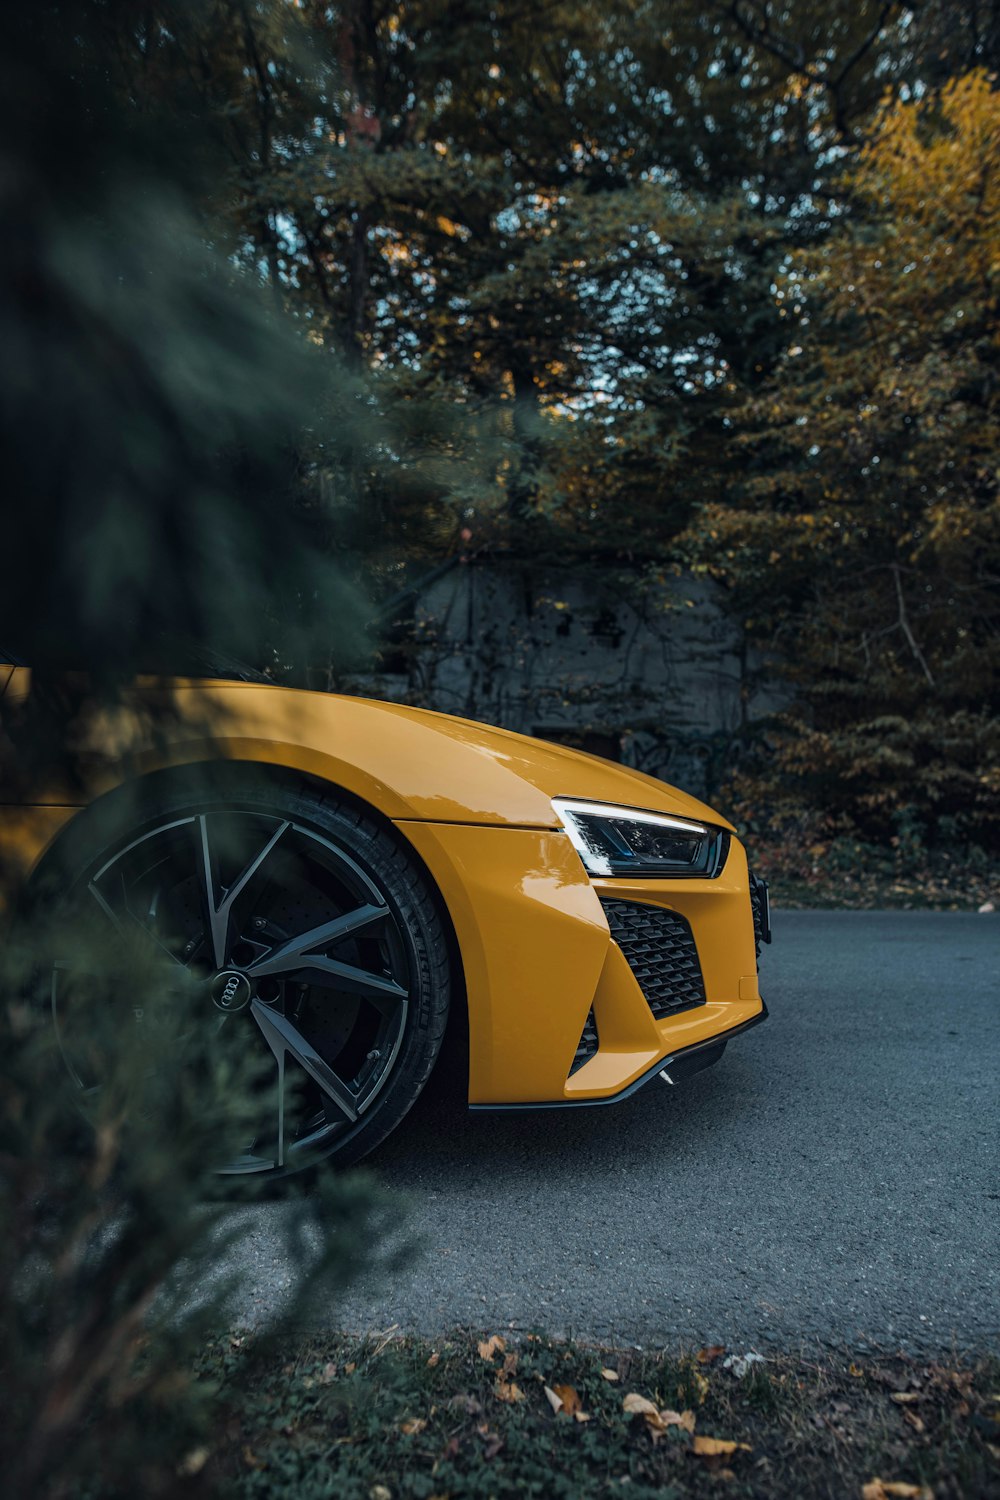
231	990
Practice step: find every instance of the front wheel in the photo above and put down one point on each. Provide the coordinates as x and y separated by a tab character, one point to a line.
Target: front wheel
303	927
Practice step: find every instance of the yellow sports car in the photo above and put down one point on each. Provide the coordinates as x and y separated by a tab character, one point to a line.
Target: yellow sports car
340	874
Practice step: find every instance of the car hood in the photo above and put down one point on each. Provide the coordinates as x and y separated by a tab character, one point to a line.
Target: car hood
408	763
558	770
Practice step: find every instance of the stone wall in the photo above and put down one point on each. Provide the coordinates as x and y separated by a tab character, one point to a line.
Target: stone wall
655	675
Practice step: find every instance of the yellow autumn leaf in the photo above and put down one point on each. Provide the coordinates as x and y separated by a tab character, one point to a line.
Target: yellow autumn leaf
879	1489
491	1346
413	1426
569	1397
508	1390
637	1405
707	1447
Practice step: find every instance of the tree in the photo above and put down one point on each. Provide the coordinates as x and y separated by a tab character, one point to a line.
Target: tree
869	519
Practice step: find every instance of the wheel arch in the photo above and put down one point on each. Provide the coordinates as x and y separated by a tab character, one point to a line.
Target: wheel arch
205	775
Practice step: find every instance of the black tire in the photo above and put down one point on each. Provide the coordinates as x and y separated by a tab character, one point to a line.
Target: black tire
327	943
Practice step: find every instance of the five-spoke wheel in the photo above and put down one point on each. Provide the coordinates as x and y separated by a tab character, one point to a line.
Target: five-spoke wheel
300	926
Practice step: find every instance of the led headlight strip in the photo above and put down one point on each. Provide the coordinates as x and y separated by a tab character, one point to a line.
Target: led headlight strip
621	841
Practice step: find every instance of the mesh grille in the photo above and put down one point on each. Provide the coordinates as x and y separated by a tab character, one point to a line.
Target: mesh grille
588	1045
661	953
758	915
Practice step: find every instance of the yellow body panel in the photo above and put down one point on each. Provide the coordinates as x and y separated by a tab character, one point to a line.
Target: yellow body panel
475	804
538	954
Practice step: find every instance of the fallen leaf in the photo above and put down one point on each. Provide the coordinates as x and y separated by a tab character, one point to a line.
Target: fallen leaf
911	1418
657	1420
700	1385
712	1351
554	1401
493	1345
569	1397
349	1369
856	1371
707	1447
509	1364
433	1360
508	1390
380	1492
611	1375
637	1405
879	1489
413	1426
903	1398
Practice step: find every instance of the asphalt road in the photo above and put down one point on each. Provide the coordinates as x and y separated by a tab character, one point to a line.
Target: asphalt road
833	1180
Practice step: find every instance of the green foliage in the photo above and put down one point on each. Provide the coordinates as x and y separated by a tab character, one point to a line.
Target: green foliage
155	407
111	1245
867	524
410	1419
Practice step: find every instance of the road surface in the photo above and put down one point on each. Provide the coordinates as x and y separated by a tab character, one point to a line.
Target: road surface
834	1180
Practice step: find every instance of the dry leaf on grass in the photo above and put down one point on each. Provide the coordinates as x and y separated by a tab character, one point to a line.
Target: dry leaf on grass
657	1420
611	1375
707	1447
572	1406
881	1489
413	1426
554	1401
491	1346
711	1351
508	1390
903	1398
700	1384
912	1420
433	1360
637	1405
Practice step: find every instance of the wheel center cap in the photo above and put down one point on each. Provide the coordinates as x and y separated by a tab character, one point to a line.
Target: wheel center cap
231	991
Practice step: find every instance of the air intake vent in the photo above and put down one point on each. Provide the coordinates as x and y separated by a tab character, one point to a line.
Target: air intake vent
661	953
589	1043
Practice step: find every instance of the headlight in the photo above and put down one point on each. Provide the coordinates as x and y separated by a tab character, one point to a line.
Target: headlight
622	841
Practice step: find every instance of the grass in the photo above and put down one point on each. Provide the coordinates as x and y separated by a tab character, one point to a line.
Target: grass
392	1418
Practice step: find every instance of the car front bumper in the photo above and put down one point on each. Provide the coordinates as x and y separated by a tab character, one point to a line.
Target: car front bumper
542	969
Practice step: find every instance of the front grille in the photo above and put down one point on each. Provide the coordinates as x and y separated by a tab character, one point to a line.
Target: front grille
589	1043
661	953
